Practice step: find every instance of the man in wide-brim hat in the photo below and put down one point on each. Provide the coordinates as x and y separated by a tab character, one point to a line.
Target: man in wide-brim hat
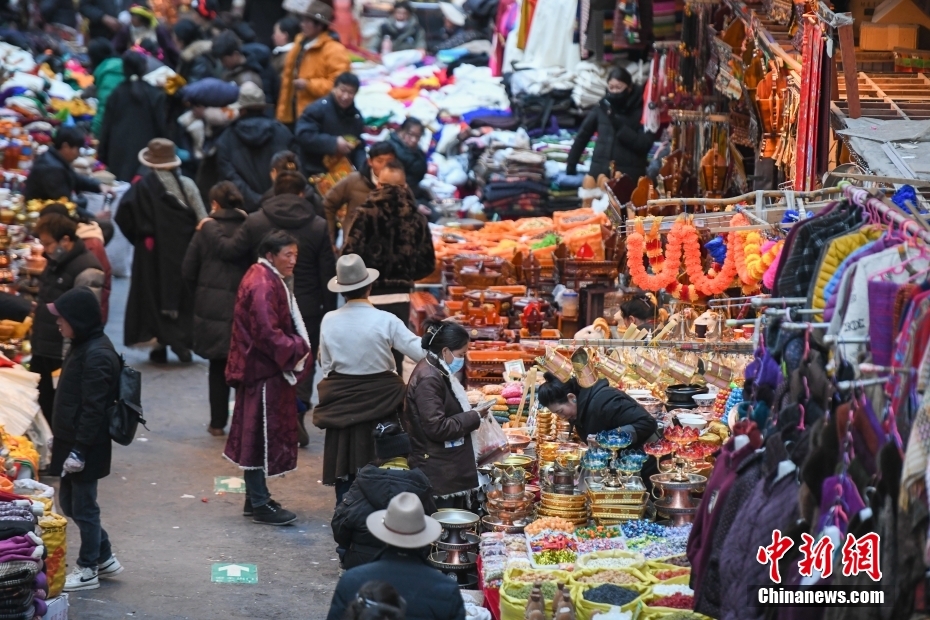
314	62
407	534
158	215
362	386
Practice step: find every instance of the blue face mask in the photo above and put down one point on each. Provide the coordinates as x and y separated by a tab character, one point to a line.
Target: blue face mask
457	364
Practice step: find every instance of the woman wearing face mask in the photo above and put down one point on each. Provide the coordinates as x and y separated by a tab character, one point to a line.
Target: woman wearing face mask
438	417
621	139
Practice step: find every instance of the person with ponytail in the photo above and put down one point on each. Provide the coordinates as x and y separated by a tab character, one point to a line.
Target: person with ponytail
136	113
215	282
642	311
439	418
596	408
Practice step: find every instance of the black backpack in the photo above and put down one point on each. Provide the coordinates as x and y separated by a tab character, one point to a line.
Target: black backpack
126	411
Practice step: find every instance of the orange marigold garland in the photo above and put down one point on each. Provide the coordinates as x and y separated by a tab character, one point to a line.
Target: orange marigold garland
691	248
663	276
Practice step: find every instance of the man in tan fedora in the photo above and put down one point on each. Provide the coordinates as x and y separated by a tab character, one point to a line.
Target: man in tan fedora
407	534
312	65
362	386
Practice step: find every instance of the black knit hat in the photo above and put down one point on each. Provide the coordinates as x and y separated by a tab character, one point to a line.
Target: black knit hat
391	442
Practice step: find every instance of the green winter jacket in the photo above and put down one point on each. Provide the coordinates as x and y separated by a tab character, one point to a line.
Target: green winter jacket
107	76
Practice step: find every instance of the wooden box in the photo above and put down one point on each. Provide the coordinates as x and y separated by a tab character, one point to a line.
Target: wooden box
886	37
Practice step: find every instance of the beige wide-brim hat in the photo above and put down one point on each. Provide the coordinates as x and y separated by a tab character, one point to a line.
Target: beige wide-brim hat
351	274
404	524
453	13
160	155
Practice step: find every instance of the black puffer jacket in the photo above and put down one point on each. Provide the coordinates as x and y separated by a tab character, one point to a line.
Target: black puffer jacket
411	37
216	282
244	153
621	138
77	268
317	129
316	263
52	178
603	408
372	490
88	385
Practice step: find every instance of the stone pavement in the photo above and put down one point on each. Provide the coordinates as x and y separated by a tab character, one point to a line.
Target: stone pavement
169	543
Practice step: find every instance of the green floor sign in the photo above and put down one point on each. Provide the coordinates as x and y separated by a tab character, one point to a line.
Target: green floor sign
228	484
234	573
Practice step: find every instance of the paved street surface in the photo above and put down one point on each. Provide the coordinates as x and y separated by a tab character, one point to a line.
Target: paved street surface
168	543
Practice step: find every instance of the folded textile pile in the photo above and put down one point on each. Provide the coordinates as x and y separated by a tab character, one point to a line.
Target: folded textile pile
23	581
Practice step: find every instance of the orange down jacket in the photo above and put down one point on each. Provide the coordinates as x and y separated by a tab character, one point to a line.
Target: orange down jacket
319	66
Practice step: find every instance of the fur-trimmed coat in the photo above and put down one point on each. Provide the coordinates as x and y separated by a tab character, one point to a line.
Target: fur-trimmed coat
393	237
264	345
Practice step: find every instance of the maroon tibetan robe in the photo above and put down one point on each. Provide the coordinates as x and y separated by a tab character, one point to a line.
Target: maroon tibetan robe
264	345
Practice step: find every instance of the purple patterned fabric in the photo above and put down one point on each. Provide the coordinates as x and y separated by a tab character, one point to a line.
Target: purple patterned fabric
881	320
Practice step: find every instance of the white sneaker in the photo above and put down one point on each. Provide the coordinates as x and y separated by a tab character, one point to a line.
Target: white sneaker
82	579
109	568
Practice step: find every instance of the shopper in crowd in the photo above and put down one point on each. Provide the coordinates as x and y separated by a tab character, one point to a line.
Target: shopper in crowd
245	149
262	15
596	408
406	143
438	417
343	200
377	600
108	74
52	177
144	31
374	486
285	33
456	28
69	265
236	66
258	54
136	114
312	65
215	282
102	17
640	311
81	453
331	129
402	31
390	234
408	534
196	60
269	354
287	161
362	386
316	263
158	215
92	234
58	12
621	139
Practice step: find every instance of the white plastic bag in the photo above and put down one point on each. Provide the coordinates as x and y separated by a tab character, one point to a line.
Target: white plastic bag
489	441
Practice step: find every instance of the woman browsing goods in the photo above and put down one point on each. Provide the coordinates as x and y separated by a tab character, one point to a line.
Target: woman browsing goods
438	417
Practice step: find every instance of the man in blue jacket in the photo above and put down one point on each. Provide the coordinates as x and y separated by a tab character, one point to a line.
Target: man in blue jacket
332	126
407	534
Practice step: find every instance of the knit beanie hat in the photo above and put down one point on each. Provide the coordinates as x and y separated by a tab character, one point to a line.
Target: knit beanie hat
392	446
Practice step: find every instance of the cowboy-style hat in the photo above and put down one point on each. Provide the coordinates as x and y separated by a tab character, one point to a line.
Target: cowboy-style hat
351	274
404	524
314	9
160	155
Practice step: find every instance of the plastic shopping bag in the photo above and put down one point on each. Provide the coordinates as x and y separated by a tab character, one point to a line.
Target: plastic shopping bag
489	441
